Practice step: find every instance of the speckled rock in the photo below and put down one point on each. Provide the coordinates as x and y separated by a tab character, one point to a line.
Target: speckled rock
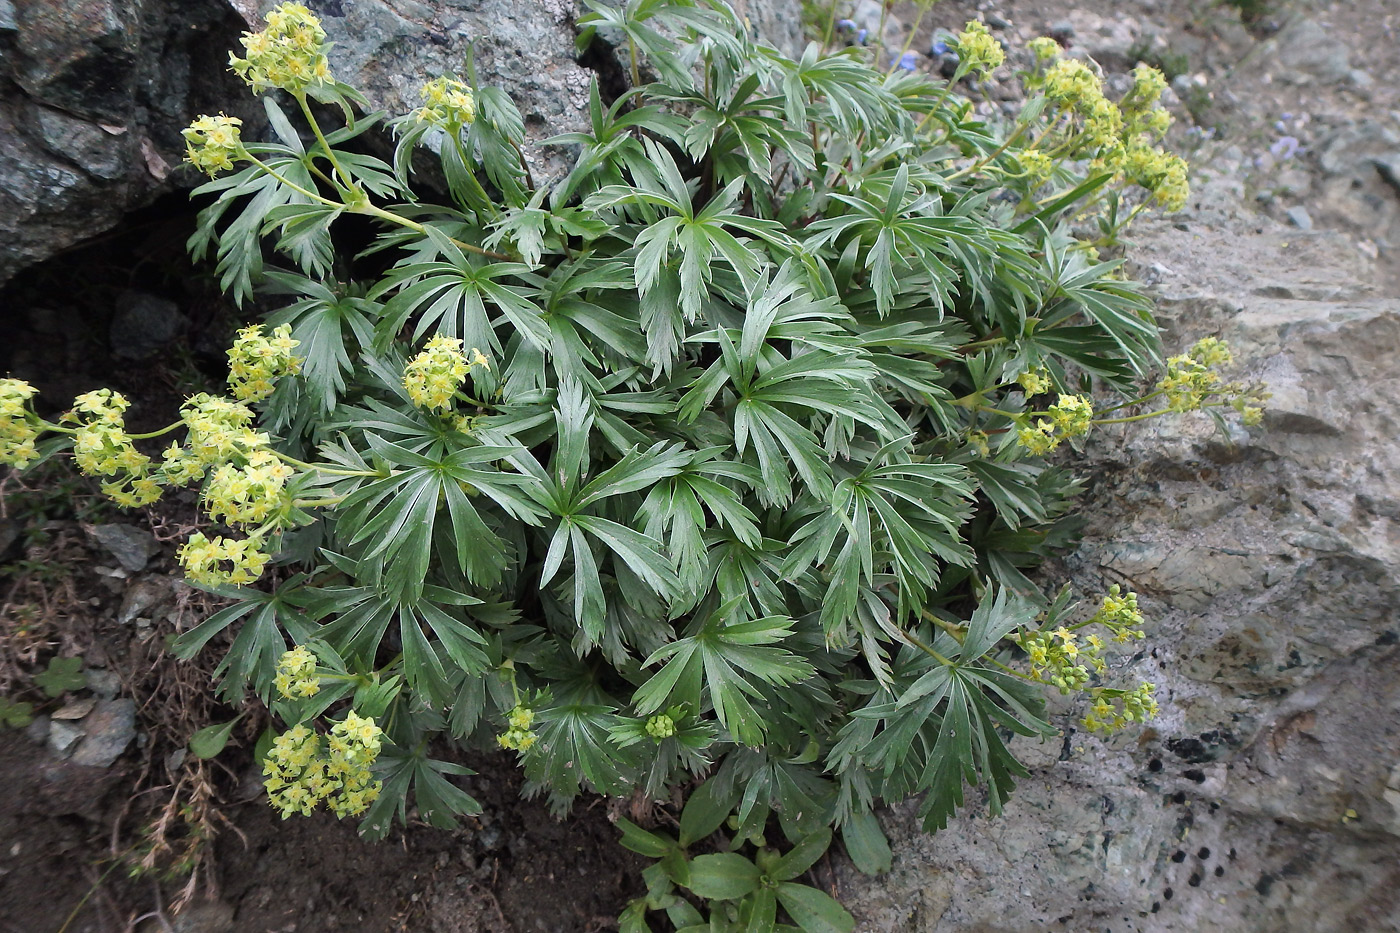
1267	795
96	91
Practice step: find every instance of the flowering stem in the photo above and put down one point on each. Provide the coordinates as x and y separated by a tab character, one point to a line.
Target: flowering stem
321	138
367	208
938	101
334	471
1142	417
318	503
1012	671
926	649
290	184
976	166
1136	401
909	41
632	60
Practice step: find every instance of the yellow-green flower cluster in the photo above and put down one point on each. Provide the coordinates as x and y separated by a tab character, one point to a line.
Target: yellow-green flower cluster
1114	709
447	103
1036	165
296	674
17	432
978	50
1119	614
1073	85
1141	104
518	737
1071	416
1058	658
102	447
1044	48
205	561
300	774
434	376
248	494
660	726
1188	383
290	53
1161	172
1034	381
257	361
218	428
212	144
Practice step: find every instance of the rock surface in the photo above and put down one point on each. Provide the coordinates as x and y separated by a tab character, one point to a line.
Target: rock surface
96	91
1269	789
1267	795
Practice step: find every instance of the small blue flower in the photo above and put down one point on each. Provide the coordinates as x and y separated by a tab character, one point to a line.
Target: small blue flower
938	48
908	61
860	36
1285	148
846	25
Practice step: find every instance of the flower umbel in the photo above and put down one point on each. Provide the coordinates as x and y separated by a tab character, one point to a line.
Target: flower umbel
212	144
447	103
978	50
296	674
257	361
434	376
300	775
290	53
17	433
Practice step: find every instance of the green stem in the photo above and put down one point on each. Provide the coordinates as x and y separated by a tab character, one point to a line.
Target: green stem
632	60
1131	418
390	216
290	184
938	101
1136	401
913	640
976	166
333	471
830	25
909	40
343	175
317	503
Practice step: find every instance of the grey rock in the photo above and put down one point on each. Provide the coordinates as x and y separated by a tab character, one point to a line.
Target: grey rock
143	324
1309	53
103	683
1269	788
132	547
8	23
1298	216
146	596
63	736
38	730
109	730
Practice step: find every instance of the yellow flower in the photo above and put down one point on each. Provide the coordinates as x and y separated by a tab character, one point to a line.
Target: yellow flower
978	49
1044	48
289	53
447	103
256	361
433	377
212	144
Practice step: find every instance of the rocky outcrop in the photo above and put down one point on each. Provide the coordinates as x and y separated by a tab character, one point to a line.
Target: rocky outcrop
1267	796
95	92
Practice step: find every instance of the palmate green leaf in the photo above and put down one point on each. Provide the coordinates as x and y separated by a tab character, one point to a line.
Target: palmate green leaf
574	750
252	658
436	799
332	330
714	662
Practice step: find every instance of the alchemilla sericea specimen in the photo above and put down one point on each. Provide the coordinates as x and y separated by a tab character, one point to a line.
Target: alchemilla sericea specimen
719	463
